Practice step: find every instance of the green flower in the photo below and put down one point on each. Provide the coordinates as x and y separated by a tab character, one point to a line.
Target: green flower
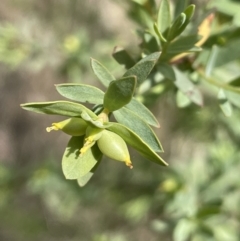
109	143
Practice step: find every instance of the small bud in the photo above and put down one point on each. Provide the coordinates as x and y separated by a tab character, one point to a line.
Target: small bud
92	135
114	147
72	126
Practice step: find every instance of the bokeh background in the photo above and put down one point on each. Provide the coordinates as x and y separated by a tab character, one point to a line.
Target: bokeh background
197	198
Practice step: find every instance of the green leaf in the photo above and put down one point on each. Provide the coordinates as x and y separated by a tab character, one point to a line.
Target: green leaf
82	181
167	71
140	15
140	127
137	143
143	112
176	26
189	12
183	230
180	5
81	93
101	72
119	93
183	44
150	43
76	165
182	100
211	60
164	16
64	108
187	87
159	34
224	104
142	68
94	122
123	57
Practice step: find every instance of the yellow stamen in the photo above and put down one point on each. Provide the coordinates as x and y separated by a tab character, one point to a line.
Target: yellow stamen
129	164
88	143
48	129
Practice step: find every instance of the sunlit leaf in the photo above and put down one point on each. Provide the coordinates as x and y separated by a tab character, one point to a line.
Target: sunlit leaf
179	5
189	12
142	69
164	16
140	127
119	93
176	26
101	72
82	181
183	44
81	93
76	165
137	143
64	108
159	34
143	112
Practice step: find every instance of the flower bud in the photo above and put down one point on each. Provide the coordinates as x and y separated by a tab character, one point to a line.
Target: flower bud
114	147
72	126
92	135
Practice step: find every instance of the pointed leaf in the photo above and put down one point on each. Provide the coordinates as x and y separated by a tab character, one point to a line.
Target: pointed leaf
140	127
82	181
187	87
183	44
123	57
211	60
177	24
81	93
189	12
159	34
119	93
64	108
137	143
225	105
164	16
101	72
143	67
180	5
143	112
75	165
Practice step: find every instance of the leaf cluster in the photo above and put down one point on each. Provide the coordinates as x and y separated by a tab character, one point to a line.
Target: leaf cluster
133	126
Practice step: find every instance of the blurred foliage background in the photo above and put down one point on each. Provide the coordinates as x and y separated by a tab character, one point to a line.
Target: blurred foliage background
197	198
